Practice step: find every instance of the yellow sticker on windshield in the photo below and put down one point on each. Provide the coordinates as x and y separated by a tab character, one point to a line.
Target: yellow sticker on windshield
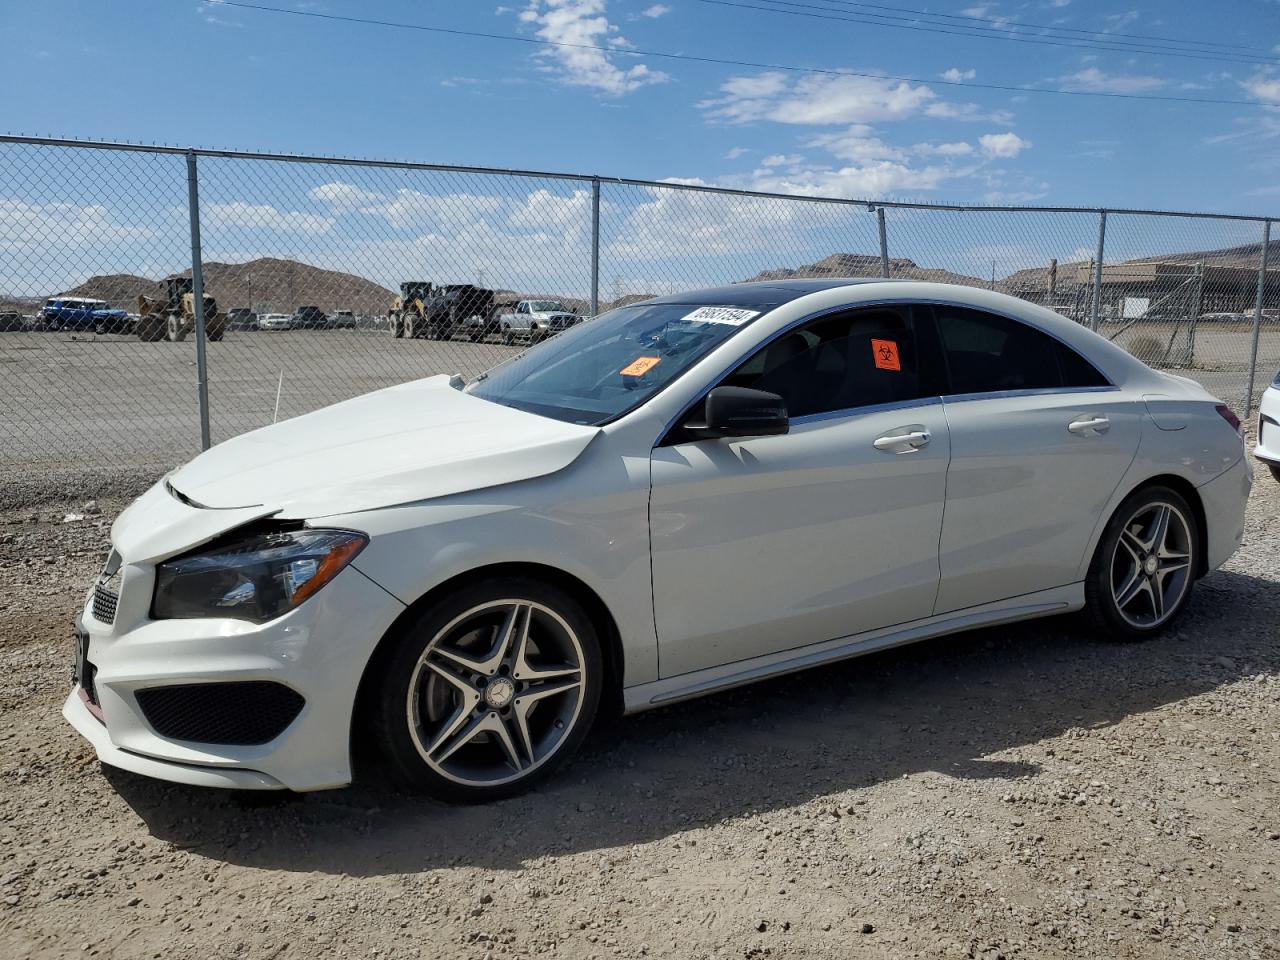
640	366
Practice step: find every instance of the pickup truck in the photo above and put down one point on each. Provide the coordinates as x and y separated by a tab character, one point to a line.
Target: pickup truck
535	320
80	313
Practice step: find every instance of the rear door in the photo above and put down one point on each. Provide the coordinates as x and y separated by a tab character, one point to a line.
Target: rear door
1039	442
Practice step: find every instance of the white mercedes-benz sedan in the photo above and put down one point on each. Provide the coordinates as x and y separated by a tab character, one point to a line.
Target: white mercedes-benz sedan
1268	447
683	495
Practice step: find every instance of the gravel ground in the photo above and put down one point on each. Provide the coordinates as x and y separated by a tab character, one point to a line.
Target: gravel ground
1018	792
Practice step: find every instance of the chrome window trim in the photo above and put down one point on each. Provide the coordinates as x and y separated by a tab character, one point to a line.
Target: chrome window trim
1030	392
912	302
849	412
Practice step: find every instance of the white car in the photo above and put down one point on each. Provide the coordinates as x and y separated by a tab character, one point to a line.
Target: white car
1268	448
275	321
684	495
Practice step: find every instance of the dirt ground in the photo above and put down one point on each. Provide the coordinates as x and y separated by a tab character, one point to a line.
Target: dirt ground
1020	792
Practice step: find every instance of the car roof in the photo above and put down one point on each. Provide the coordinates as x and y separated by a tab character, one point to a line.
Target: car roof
764	293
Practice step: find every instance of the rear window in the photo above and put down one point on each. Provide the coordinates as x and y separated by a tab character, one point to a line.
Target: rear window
987	353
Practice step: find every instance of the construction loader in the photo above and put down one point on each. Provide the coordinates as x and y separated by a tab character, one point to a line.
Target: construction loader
173	317
425	311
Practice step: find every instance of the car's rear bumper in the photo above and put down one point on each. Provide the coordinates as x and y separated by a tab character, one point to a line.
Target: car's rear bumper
1224	499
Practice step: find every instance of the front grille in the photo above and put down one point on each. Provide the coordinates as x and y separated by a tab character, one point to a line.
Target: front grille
237	713
104	604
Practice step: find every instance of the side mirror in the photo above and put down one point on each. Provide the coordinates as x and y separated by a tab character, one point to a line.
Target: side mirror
740	412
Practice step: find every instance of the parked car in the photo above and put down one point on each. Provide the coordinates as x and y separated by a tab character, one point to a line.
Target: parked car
535	320
342	320
79	313
310	318
1268	447
684	495
12	322
241	318
275	321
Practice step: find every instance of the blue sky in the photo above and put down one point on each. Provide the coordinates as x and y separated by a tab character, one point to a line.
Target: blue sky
209	74
276	82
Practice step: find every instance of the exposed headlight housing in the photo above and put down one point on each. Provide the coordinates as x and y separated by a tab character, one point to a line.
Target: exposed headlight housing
256	576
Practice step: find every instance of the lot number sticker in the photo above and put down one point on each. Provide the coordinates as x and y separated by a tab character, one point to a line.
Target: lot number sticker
640	366
885	353
733	316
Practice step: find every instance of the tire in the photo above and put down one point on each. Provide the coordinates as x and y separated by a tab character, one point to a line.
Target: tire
397	326
1140	578
508	337
151	329
455	732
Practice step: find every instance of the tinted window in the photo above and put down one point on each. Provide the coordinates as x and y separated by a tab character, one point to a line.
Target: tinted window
986	353
857	358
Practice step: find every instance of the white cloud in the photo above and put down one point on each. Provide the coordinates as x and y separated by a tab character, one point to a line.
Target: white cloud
879	178
414	209
1003	145
857	145
816	99
1094	80
1264	88
264	216
583	25
943	149
656	11
956	75
1118	21
781	160
29	226
344	196
969	112
736	152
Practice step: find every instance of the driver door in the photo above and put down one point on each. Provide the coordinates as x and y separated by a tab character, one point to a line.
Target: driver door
767	544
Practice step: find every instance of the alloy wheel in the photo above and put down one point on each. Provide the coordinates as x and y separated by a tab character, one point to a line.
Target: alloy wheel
496	692
1151	566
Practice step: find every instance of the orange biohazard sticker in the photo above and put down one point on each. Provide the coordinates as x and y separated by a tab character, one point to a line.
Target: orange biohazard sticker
640	366
885	353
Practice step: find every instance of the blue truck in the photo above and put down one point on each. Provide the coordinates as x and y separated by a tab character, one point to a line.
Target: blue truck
82	313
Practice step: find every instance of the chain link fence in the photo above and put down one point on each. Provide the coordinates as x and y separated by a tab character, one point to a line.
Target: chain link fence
324	278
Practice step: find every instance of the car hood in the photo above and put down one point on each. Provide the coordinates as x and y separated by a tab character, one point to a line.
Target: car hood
404	444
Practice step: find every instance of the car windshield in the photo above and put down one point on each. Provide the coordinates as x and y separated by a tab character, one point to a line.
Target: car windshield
599	370
541	306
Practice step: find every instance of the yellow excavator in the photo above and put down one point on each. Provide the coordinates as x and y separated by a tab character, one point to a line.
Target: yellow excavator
174	316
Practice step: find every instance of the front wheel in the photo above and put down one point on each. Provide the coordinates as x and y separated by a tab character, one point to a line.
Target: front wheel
508	337
1144	568
489	691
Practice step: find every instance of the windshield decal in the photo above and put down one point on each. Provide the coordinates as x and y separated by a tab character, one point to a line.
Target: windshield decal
640	366
733	316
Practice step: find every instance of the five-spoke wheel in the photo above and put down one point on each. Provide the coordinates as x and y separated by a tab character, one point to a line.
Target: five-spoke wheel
490	690
1145	565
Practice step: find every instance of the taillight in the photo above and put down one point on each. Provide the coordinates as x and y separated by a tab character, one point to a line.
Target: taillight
1228	415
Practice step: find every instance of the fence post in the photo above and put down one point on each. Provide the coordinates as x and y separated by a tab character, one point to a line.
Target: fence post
1096	310
884	244
1257	316
595	246
197	299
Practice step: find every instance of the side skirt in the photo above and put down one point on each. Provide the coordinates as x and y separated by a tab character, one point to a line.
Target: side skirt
659	693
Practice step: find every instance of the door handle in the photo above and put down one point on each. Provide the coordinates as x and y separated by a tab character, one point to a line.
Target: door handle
1089	425
902	442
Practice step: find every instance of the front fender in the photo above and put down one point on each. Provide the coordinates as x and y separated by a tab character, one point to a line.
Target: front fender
590	521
